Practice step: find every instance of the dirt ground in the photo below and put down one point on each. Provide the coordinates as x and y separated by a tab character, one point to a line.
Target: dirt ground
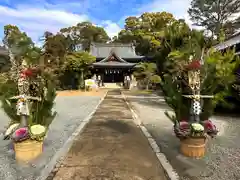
100	92
111	147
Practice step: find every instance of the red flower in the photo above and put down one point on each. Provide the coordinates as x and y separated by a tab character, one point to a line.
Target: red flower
194	65
27	73
184	125
20	134
210	128
209	125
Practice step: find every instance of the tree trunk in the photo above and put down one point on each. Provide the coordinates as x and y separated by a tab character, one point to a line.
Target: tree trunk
148	82
81	84
147	86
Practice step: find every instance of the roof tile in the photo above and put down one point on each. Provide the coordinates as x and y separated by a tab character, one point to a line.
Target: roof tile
102	50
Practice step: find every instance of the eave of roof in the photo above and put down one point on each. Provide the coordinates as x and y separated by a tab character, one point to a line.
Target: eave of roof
228	43
125	59
113	64
112	44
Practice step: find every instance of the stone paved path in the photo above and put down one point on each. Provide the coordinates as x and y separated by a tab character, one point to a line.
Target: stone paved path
222	160
111	147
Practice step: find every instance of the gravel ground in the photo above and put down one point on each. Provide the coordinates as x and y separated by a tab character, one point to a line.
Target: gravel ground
222	160
71	111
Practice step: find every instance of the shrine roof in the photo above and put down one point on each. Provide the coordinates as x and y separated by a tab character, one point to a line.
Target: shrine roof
113	64
103	50
233	40
113	60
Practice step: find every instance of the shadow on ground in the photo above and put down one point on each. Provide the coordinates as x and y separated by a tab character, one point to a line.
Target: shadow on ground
115	125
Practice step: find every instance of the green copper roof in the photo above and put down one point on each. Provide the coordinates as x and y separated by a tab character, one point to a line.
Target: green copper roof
103	50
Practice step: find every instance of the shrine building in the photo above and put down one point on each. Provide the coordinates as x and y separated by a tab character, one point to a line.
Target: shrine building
114	61
232	42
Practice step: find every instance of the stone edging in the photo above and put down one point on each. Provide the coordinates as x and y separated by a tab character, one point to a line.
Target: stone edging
67	145
171	173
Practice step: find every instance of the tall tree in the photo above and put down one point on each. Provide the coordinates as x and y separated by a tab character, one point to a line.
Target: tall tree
78	63
5	63
146	73
17	44
216	15
145	31
84	33
17	41
55	48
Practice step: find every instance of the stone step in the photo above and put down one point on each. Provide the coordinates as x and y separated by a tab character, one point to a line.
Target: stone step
112	85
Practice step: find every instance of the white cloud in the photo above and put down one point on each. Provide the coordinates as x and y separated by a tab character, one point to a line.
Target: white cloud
35	21
111	28
176	7
36	18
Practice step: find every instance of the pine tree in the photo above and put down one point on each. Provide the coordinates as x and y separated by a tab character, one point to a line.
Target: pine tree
216	15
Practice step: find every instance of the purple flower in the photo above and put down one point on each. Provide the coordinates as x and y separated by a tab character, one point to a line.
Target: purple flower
209	127
20	134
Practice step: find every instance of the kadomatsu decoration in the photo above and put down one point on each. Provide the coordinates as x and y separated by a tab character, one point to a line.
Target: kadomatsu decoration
193	136
33	108
191	131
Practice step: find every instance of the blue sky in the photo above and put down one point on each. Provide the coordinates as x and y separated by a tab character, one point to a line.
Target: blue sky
36	16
